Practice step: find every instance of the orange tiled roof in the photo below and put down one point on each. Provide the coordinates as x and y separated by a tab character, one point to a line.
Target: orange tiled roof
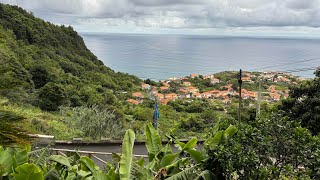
132	101
164	88
137	94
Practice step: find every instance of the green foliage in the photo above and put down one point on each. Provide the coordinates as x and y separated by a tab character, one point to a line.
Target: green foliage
303	104
126	156
51	96
270	147
92	122
153	141
279	150
28	172
35	54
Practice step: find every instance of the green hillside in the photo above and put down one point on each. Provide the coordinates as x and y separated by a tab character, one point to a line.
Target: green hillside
49	65
45	66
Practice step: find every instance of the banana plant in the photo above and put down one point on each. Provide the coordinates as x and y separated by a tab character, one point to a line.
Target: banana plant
126	156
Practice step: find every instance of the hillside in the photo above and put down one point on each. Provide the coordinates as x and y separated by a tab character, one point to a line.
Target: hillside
37	55
46	66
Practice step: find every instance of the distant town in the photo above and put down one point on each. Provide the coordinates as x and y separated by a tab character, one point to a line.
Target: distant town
220	86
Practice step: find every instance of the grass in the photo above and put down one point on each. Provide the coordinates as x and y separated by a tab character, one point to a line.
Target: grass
33	120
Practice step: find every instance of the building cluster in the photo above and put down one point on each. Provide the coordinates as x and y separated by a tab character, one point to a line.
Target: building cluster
186	90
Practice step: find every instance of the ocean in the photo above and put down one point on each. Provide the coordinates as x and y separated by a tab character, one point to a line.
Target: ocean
161	57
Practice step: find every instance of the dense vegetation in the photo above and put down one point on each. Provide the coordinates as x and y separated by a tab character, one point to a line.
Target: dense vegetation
51	83
279	150
48	66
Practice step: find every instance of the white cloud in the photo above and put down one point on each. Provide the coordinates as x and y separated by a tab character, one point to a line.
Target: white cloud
185	15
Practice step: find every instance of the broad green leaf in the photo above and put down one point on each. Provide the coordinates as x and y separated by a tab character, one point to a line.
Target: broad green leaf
190	144
111	175
140	162
6	161
60	159
167	160
213	142
153	141
20	156
95	170
198	156
175	167
215	129
230	131
28	172
83	173
126	156
179	145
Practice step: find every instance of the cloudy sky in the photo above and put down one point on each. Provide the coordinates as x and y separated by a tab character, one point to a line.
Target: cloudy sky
216	17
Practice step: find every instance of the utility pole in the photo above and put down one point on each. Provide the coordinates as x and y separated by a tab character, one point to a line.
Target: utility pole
240	97
259	99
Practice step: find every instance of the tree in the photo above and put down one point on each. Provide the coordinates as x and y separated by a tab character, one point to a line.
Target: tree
303	104
40	76
51	96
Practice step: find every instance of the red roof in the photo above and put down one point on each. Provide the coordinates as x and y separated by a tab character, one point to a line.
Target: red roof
132	101
137	94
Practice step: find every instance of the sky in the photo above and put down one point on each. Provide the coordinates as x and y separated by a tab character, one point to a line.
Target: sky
298	18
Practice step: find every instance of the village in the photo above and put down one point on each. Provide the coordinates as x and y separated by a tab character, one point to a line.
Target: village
276	84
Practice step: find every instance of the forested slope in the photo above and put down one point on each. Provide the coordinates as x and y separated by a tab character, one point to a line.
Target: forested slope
48	65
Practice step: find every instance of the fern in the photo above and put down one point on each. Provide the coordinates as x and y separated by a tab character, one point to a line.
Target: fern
40	156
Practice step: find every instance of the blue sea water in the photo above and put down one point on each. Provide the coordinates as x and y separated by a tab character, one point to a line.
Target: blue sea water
163	56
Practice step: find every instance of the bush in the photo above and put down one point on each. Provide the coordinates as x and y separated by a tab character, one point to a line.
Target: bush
51	96
92	122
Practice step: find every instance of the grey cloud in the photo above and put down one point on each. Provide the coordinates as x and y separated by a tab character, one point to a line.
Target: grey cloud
178	13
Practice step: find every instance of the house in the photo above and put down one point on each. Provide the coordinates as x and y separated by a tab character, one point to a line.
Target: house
231	91
159	96
146	86
192	89
186	83
133	101
163	101
183	90
247	79
153	91
226	100
211	76
275	96
196	95
272	89
171	96
215	80
164	88
286	95
194	75
138	95
253	95
206	95
283	79
247	74
215	93
166	84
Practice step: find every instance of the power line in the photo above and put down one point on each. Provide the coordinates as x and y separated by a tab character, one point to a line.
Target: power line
293	57
285	64
301	69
